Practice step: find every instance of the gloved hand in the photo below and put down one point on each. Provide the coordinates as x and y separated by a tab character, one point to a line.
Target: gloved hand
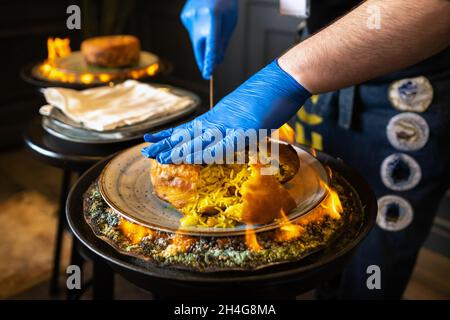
265	101
210	24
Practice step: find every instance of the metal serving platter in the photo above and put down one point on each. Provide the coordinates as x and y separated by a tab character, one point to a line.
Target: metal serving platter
126	187
76	64
280	281
59	125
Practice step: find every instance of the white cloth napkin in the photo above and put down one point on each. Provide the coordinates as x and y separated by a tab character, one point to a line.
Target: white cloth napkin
107	108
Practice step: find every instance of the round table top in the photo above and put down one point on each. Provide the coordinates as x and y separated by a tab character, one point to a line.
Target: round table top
73	155
289	279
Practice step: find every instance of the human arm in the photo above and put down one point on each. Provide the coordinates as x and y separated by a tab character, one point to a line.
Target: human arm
348	52
345	53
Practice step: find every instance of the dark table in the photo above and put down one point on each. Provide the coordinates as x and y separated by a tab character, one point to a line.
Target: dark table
74	158
277	282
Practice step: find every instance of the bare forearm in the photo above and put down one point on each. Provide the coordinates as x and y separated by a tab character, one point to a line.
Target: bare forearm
351	51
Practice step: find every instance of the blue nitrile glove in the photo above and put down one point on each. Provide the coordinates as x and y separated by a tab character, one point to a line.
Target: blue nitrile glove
265	101
210	24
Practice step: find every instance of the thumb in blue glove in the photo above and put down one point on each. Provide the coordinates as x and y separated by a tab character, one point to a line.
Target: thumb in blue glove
265	101
210	24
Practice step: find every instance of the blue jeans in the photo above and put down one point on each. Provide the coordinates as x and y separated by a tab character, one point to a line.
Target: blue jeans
395	131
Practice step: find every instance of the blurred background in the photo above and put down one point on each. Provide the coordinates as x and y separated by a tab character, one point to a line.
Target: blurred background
29	188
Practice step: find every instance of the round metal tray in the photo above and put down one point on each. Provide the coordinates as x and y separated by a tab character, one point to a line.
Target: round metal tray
76	65
59	125
279	281
26	73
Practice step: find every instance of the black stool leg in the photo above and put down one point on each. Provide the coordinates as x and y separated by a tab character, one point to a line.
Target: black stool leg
54	280
103	281
76	260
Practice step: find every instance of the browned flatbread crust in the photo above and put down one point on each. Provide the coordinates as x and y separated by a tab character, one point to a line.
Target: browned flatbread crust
176	184
111	51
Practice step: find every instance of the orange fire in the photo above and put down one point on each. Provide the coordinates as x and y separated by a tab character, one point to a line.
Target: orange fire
153	69
332	203
288	231
180	243
60	48
134	232
57	48
286	133
251	239
87	78
104	77
330	206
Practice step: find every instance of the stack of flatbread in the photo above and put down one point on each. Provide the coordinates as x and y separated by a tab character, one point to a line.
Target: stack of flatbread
111	107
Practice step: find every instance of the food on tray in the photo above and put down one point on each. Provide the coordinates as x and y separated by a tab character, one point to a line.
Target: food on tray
111	51
318	229
222	195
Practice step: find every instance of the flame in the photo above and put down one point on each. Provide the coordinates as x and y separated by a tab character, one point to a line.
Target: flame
314	152
330	206
57	48
134	232
251	239
136	74
332	203
52	73
87	78
60	48
180	243
151	70
46	67
285	133
104	77
287	231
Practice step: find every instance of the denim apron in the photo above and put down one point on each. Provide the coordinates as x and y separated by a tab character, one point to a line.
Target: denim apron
394	130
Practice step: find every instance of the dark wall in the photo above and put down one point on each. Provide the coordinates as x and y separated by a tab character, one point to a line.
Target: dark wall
261	35
158	25
24	29
26	25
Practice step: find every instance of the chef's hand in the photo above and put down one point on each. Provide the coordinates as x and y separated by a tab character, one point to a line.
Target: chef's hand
265	101
210	24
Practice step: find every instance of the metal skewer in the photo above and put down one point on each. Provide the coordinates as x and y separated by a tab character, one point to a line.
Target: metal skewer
211	92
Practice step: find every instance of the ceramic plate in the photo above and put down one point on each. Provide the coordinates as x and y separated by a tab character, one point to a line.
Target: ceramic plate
126	186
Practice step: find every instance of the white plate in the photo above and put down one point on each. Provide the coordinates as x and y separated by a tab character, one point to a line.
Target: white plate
126	186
